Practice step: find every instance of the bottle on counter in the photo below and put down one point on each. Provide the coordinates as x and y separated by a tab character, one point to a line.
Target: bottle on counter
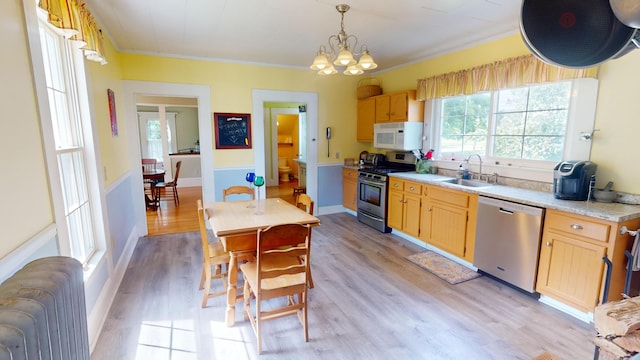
460	172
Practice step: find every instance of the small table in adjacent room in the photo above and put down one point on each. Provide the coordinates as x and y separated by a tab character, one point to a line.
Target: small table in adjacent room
152	177
231	222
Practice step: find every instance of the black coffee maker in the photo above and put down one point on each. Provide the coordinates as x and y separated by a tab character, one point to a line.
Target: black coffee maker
573	179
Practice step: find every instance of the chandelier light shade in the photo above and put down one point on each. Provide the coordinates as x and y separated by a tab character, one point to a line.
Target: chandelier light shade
342	50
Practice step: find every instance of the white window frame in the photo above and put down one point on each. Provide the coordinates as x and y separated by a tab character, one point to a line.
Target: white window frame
78	104
581	118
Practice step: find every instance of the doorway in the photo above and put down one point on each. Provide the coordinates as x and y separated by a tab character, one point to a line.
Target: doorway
132	91
261	98
285	145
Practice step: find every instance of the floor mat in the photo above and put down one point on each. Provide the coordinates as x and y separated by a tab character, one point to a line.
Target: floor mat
448	270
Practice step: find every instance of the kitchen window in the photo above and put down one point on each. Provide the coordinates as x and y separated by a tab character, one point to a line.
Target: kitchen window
534	126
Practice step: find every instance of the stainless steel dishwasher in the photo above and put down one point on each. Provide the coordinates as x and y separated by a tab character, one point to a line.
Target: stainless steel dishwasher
508	241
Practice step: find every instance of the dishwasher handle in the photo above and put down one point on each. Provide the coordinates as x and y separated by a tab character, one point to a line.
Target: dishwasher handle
505	211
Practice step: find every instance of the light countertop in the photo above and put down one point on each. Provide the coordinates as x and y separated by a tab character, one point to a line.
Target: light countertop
606	211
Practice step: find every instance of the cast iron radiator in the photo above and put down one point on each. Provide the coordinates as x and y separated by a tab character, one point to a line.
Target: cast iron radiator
43	312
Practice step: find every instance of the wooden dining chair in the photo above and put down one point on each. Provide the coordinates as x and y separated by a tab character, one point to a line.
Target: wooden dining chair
237	190
149	164
277	273
213	257
304	202
173	184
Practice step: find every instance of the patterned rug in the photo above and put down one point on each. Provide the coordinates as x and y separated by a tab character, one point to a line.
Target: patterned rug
447	270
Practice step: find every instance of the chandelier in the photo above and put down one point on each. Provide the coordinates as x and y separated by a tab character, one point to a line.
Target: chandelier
338	52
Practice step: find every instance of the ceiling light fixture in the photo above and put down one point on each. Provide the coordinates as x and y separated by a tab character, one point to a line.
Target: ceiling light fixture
338	53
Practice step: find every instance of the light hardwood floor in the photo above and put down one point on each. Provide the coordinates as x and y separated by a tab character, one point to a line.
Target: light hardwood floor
368	303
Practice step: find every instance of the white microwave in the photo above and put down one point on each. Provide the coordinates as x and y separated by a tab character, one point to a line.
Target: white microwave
398	135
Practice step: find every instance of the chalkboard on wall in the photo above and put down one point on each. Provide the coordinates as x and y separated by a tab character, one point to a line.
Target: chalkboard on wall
233	131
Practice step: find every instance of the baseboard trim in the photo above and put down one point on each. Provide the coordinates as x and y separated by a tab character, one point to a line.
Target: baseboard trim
586	317
98	316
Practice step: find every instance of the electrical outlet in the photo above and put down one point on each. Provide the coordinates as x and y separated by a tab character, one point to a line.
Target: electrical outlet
337	155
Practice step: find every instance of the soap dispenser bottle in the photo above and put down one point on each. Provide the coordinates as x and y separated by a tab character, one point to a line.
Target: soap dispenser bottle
460	172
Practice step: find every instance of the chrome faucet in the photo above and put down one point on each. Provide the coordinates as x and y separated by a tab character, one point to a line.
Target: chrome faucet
480	161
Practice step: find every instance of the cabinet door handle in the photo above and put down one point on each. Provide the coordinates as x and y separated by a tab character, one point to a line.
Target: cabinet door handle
548	243
576	226
411	188
396	184
429	210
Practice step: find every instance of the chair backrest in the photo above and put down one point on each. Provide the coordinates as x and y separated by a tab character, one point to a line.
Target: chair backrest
204	237
237	190
283	244
149	164
175	176
305	201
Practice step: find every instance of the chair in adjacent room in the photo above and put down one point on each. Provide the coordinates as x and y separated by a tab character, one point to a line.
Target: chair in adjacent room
277	272
304	202
237	190
173	184
149	164
213	257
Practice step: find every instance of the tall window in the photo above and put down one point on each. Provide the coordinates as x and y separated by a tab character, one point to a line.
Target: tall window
62	60
527	124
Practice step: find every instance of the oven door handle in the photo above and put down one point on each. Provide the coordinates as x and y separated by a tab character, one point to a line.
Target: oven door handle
371	217
374	183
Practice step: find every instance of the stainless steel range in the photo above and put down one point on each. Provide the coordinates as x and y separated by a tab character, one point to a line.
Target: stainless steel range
372	185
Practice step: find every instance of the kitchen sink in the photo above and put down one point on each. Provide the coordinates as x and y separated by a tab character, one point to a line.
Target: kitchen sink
469	183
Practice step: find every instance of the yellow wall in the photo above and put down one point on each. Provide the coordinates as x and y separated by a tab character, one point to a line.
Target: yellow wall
617	116
406	77
231	86
26	208
113	149
616	146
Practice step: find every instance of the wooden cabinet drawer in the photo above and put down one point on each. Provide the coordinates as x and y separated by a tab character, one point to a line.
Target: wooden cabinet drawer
395	184
453	197
350	173
412	187
577	226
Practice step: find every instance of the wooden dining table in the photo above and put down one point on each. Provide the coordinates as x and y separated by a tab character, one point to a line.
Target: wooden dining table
236	223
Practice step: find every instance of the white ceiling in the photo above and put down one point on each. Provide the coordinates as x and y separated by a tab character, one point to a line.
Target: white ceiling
289	32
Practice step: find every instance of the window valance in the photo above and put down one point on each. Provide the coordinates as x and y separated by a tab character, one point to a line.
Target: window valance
73	17
508	73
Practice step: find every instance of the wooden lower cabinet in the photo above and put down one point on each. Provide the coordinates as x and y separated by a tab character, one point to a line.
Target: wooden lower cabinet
350	188
571	267
404	203
448	220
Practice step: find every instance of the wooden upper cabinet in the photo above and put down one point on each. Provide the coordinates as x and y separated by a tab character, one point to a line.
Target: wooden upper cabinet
399	106
393	107
382	108
366	119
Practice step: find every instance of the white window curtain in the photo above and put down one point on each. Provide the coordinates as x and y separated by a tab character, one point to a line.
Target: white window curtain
151	137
